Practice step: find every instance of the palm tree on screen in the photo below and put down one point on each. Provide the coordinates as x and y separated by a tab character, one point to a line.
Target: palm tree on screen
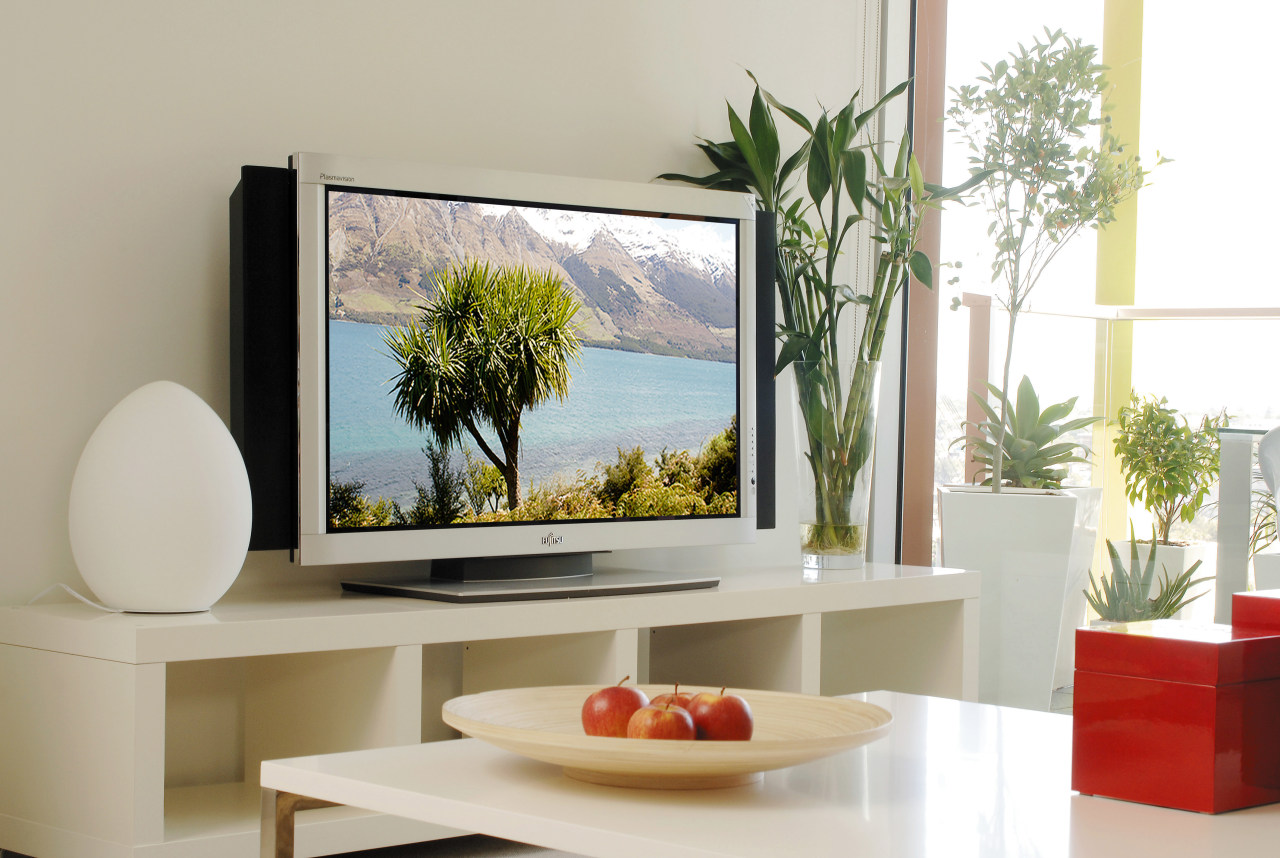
493	342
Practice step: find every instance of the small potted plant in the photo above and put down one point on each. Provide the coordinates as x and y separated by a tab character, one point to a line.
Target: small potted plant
1131	595
1169	468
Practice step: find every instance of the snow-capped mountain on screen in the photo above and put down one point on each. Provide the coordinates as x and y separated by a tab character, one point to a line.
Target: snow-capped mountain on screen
661	285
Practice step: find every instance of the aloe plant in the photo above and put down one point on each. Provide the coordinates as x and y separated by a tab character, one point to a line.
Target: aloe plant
1034	454
835	182
1123	597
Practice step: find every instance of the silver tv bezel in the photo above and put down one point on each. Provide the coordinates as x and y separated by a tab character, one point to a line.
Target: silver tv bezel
316	172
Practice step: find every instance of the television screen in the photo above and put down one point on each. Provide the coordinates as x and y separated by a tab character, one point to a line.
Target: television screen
500	364
492	362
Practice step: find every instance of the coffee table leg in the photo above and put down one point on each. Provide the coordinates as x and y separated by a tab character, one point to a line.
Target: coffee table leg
278	809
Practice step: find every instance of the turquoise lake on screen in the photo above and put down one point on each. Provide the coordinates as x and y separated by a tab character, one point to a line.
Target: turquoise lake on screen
616	400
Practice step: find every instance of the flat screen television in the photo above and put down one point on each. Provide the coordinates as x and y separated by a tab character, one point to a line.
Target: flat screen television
505	373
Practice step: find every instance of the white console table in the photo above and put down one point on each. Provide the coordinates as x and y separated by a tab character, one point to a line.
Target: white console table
142	735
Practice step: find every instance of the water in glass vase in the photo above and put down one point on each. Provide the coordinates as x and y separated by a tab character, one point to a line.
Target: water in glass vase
835	417
833	546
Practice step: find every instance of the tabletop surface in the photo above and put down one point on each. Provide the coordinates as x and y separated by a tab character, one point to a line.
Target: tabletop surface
951	779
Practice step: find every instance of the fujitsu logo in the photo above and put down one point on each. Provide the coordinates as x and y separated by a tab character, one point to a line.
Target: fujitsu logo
552	539
325	177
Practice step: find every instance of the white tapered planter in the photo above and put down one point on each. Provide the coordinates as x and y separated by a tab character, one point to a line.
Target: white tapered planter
1084	541
1033	548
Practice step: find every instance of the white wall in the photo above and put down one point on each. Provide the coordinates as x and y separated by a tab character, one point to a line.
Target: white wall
126	123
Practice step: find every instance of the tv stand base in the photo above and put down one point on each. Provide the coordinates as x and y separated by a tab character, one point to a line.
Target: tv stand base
569	587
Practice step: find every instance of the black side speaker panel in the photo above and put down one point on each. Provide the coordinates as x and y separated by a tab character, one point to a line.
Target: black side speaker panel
766	399
264	351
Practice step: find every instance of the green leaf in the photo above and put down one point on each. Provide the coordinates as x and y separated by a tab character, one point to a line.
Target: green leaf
848	224
875	159
894	184
842	130
718	181
1028	407
916	176
797	158
793	349
1054	413
726	155
904	154
791	113
819	179
921	267
986	406
866	115
763	181
765	134
855	176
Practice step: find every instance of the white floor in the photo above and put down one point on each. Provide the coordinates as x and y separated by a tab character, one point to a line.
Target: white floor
473	846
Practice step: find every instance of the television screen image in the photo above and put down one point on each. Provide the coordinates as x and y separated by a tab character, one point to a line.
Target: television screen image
498	363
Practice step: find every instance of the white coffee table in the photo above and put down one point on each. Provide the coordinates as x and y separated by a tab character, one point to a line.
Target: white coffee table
951	779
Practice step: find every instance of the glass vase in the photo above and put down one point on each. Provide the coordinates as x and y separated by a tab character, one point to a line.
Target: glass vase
835	419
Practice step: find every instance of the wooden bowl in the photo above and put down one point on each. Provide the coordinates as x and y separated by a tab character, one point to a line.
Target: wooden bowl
546	724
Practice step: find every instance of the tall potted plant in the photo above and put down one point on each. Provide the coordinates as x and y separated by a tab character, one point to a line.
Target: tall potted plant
1032	542
836	188
1036	124
1030	123
1169	469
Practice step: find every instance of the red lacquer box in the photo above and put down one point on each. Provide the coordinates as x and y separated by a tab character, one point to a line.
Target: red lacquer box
1256	613
1179	714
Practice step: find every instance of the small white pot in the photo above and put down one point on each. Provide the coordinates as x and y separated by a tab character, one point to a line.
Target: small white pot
1266	570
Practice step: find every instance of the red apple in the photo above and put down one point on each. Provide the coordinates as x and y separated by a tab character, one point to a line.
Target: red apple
721	716
661	722
607	711
674	698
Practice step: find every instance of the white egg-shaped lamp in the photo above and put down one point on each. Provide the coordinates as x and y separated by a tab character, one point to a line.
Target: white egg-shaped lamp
160	504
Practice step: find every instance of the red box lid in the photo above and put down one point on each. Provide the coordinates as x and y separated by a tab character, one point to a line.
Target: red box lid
1256	612
1177	651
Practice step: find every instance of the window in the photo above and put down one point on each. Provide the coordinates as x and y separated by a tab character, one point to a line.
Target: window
1202	229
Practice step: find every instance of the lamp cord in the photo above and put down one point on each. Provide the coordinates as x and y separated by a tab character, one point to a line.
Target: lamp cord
89	602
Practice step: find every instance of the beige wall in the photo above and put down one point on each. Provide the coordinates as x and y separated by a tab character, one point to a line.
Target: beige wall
126	123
